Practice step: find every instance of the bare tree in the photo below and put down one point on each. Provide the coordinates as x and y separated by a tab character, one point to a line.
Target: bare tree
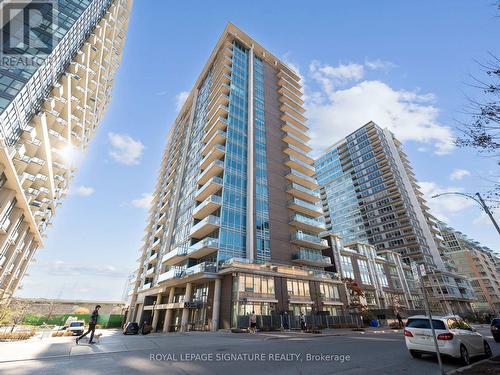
482	132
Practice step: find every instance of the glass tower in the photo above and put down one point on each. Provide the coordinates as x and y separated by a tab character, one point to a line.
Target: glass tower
236	186
49	112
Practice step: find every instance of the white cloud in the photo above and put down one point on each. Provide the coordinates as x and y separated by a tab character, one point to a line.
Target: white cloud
379	64
444	205
143	202
125	149
82	191
334	112
330	76
63	268
458	174
180	98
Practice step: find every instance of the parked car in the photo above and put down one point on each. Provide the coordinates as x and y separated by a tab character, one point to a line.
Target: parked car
495	329
76	327
131	329
454	336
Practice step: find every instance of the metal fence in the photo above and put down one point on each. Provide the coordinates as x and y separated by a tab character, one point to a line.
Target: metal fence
285	322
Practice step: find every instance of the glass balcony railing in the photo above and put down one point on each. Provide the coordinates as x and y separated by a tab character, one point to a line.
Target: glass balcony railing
305	204
302	164
202	267
303	236
303	189
309	221
179	252
312	256
173	273
303	176
212	243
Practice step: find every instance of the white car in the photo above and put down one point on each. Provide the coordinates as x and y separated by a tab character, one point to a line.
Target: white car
76	327
454	336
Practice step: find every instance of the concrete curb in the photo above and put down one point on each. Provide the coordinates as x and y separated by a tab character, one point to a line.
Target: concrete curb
469	367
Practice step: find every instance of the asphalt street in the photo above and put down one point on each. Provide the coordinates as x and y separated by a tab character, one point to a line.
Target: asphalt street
341	352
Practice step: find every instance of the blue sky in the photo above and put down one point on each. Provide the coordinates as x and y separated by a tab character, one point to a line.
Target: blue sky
404	65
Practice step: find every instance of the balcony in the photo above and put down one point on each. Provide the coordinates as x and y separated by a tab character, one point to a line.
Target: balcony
307	223
203	248
212	170
207	207
159	231
156	244
219	137
153	258
210	188
214	123
215	154
162	219
220	111
218	100
302	179
311	257
298	153
145	286
199	268
300	166
309	240
303	193
292	139
150	271
174	256
173	273
292	96
205	227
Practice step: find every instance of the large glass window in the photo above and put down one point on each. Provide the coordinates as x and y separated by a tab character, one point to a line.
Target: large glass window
256	284
298	288
329	291
346	266
364	272
381	274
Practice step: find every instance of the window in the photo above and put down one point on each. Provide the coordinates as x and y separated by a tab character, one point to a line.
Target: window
364	272
329	291
256	284
381	274
424	323
297	288
346	266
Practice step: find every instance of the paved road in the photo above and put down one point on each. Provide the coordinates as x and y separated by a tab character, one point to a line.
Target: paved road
222	353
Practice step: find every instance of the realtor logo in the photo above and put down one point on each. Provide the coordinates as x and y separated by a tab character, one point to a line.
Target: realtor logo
27	31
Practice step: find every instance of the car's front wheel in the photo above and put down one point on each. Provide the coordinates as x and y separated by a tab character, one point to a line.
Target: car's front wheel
415	354
487	350
464	355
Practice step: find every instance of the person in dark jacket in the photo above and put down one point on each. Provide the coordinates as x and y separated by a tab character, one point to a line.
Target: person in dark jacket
92	324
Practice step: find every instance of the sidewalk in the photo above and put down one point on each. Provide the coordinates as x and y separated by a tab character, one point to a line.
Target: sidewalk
114	341
486	367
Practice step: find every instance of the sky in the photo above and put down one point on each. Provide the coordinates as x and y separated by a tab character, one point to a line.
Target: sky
406	65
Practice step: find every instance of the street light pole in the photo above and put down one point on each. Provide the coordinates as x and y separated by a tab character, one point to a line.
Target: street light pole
479	200
488	212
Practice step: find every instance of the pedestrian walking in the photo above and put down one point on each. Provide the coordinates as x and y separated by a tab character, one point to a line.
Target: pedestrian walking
302	320
400	320
253	322
286	318
92	324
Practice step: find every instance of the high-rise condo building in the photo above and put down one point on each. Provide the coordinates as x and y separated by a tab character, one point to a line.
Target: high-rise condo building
476	262
235	220
51	102
370	194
